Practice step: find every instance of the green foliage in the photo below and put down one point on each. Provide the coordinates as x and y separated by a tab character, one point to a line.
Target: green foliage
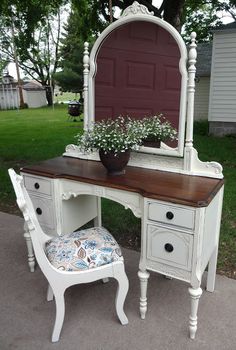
3	65
77	30
30	33
201	16
69	80
27	14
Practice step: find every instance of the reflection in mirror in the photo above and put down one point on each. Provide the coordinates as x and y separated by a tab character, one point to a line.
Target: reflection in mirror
138	75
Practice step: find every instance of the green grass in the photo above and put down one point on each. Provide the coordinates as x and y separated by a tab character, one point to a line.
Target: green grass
65	96
222	150
31	135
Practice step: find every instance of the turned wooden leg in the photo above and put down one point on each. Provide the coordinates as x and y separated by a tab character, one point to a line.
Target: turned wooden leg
98	219
143	277
195	295
31	257
211	275
50	294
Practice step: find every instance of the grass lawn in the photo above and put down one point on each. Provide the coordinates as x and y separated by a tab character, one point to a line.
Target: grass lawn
65	96
30	135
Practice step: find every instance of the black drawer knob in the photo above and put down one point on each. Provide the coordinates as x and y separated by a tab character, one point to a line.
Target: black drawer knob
169	215
39	211
36	185
169	247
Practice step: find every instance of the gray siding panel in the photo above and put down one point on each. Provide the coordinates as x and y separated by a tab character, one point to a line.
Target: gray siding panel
201	102
222	106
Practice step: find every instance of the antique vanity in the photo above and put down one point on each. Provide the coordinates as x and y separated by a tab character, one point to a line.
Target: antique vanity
139	66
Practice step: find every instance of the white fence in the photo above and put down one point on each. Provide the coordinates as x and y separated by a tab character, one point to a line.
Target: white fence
9	96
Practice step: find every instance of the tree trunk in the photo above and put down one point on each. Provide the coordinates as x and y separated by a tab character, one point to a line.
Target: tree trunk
173	11
49	96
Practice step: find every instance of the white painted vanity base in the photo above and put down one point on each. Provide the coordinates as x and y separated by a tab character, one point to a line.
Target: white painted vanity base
177	241
180	247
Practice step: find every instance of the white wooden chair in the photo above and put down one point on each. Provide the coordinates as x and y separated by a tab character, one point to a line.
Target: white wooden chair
80	257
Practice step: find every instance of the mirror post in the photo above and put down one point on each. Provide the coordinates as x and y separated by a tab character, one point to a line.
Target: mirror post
85	87
191	90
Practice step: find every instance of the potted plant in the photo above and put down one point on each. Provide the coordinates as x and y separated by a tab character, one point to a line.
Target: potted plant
114	139
156	129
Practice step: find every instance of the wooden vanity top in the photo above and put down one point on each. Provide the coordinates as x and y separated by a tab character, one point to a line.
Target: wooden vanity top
195	191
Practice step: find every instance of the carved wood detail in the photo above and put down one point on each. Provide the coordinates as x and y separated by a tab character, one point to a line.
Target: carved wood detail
136	9
103	192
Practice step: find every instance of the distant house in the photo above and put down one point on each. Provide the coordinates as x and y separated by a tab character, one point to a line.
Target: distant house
222	100
204	56
215	97
34	94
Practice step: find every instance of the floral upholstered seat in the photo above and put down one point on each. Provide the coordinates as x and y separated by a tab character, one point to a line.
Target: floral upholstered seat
82	250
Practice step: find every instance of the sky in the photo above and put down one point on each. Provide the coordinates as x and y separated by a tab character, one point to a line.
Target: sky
12	68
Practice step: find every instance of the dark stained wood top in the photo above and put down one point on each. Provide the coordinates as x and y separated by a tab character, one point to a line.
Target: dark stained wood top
189	190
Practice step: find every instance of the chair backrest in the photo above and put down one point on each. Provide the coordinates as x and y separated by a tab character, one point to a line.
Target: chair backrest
24	202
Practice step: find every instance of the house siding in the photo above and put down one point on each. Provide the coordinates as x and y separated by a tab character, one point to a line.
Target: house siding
201	103
222	106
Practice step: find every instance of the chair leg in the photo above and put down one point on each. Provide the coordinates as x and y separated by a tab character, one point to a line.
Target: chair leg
60	313
122	290
49	293
31	257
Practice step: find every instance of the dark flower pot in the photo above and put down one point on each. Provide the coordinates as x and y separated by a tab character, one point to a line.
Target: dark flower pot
151	142
115	164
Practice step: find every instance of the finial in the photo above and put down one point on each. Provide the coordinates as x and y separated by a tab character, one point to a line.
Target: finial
193	36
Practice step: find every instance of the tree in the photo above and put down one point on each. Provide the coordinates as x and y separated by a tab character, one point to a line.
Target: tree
37	54
89	17
27	14
201	16
3	65
77	30
176	12
170	10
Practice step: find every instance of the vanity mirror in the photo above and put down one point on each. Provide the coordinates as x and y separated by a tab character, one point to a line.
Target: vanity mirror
139	67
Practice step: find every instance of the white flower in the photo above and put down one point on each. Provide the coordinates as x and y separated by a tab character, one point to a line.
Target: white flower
123	133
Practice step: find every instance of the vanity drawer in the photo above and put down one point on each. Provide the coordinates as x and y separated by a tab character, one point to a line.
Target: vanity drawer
44	211
37	185
171	215
170	247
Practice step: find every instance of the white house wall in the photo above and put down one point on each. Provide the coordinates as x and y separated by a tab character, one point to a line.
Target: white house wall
222	105
35	99
201	103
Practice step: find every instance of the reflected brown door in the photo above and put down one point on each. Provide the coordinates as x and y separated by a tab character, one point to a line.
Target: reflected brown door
138	73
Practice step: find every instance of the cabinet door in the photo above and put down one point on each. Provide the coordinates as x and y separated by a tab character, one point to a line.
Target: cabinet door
38	185
44	211
171	215
169	247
